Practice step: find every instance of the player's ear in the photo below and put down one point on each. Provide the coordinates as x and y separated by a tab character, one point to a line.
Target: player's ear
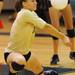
23	4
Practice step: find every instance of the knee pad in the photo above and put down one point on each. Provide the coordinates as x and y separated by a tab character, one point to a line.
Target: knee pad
16	61
54	38
16	66
27	56
71	33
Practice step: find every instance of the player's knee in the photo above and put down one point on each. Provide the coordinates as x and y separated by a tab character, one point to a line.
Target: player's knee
16	66
71	33
16	61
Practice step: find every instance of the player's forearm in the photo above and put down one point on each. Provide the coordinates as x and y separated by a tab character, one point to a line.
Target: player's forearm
53	31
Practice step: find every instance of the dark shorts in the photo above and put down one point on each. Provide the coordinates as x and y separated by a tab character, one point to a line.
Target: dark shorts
68	3
27	56
44	15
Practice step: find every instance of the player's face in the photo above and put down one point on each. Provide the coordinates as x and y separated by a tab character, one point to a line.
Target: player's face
31	4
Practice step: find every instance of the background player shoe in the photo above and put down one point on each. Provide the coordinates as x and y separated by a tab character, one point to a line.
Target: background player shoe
72	55
55	60
50	72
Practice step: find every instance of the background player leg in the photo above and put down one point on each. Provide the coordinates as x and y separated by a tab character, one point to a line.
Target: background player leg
54	15
68	18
